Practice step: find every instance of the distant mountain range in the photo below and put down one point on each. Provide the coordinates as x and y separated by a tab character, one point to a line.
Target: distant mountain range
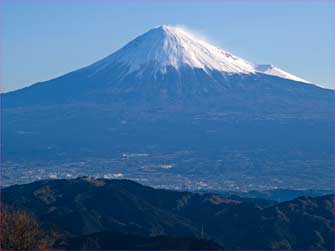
172	100
120	214
275	195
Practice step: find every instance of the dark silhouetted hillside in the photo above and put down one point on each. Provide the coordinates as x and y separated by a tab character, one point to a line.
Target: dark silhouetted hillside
100	212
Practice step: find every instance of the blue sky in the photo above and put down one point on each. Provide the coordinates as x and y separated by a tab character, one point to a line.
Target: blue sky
42	40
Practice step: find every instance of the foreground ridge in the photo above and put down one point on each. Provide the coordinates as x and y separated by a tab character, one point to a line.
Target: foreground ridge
136	216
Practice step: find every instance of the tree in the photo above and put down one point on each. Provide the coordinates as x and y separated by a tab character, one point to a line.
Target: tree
19	230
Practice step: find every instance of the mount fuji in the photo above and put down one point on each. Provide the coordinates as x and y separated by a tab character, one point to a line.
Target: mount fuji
172	47
171	103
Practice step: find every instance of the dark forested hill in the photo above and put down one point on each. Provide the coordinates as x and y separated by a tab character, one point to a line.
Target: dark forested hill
90	213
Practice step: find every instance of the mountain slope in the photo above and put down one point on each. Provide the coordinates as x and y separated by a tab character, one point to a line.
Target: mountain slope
275	71
89	207
119	241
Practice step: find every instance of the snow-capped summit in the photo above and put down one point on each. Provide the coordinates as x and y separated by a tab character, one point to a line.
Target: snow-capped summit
167	46
173	46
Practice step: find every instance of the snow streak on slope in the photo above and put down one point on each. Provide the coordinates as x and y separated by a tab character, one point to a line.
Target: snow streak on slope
274	71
